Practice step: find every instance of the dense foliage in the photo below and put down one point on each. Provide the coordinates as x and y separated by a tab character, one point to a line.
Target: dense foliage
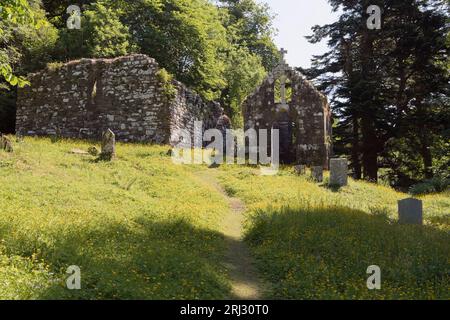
27	42
390	87
199	42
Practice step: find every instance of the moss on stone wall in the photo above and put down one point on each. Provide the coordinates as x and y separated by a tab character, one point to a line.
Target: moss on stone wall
166	80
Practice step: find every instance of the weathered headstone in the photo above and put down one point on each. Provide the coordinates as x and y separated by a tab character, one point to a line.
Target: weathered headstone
108	146
300	170
338	172
410	211
8	146
317	173
5	144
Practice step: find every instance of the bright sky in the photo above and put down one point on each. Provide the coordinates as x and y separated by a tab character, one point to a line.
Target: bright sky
294	21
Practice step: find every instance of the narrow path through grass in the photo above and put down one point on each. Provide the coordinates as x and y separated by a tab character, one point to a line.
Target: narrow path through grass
245	282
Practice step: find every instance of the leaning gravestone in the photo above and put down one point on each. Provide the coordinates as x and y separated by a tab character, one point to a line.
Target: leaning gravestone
317	173
410	211
108	146
338	172
5	144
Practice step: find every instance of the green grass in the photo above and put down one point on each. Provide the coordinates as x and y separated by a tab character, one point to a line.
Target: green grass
260	192
138	227
323	253
142	227
313	242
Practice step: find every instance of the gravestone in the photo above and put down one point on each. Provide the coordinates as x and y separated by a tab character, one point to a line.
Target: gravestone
8	145
338	172
317	173
300	170
5	144
108	146
410	211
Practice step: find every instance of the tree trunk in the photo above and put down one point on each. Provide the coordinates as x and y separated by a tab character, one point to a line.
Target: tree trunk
368	110
355	158
425	152
370	147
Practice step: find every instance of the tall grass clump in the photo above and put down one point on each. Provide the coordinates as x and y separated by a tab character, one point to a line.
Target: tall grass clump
324	253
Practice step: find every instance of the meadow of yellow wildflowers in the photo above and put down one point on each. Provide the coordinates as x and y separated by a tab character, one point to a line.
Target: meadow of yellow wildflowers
142	227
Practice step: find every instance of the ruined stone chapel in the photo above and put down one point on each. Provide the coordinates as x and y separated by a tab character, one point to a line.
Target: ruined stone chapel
84	98
289	102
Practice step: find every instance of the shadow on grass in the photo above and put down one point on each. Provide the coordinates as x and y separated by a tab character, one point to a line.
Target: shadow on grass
324	254
331	187
142	260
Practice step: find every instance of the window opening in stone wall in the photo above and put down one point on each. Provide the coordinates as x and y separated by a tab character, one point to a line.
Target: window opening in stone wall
94	91
283	90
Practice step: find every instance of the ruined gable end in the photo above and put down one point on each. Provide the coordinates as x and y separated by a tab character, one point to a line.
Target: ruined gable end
288	102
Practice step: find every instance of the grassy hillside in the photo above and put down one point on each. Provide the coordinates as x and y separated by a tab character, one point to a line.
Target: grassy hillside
313	242
261	192
139	227
142	227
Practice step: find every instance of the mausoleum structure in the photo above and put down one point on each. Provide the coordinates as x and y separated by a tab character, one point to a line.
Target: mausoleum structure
129	95
290	103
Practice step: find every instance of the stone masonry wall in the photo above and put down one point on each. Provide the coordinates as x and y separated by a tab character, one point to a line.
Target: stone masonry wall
188	107
308	111
81	99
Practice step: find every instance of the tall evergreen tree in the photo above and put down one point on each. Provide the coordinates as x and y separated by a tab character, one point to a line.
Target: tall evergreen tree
383	81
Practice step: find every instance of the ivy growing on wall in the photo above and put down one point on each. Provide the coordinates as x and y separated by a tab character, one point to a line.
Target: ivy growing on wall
166	80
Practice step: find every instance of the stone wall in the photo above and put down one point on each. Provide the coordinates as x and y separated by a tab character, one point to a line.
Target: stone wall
187	107
81	99
308	113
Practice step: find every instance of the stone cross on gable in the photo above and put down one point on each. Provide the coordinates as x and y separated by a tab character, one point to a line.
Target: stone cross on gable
283	53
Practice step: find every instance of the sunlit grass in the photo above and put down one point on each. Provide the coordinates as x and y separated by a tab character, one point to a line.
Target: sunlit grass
142	227
287	188
139	227
313	242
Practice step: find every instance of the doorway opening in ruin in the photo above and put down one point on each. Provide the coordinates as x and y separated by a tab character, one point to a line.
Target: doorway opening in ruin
284	123
286	128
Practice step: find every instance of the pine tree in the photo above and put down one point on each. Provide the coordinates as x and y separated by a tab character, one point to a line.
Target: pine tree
383	81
